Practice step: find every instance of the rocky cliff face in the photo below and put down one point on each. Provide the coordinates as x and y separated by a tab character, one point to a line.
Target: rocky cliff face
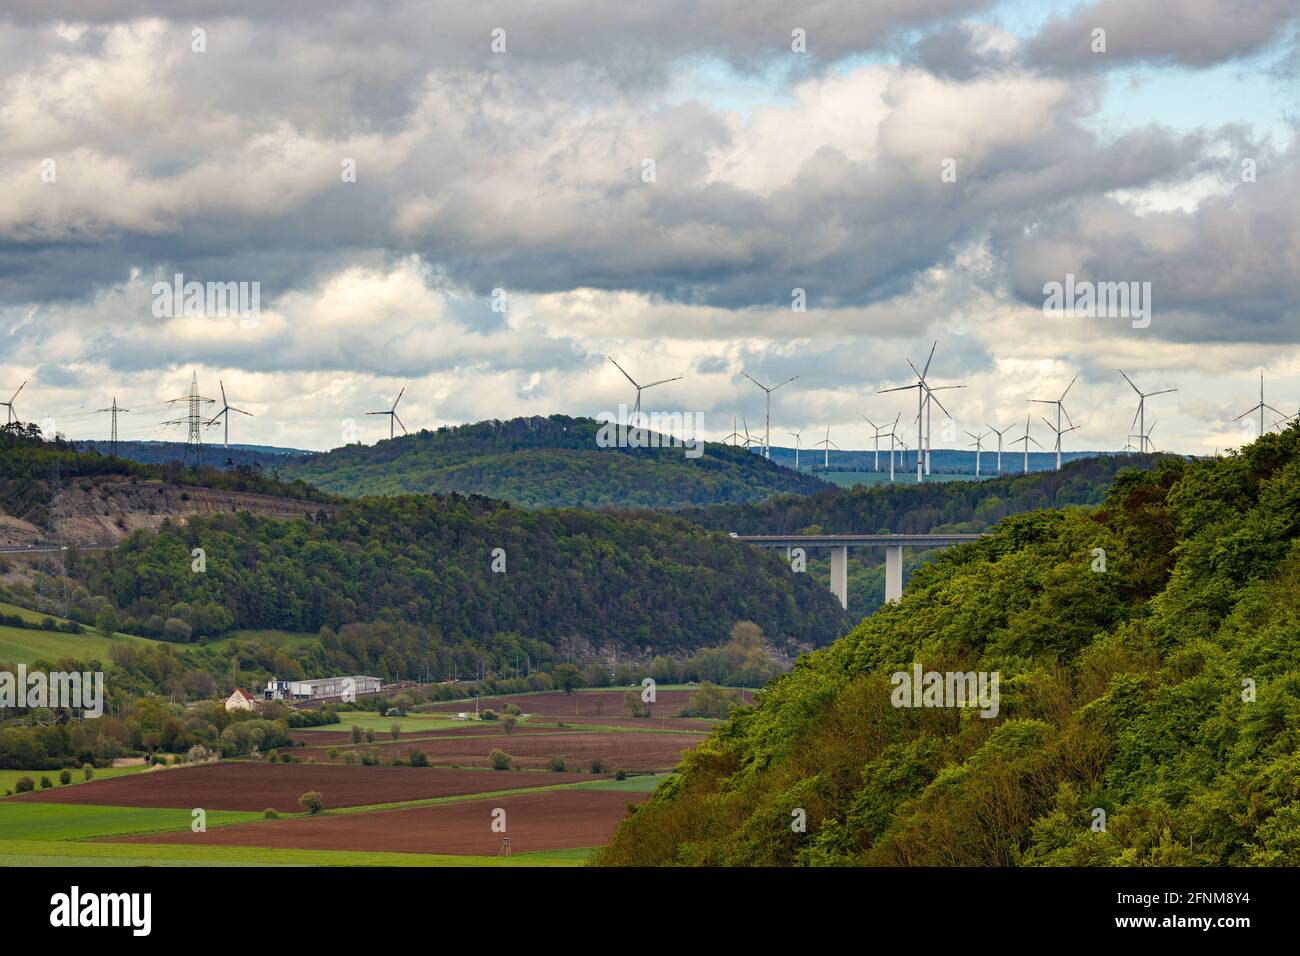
103	513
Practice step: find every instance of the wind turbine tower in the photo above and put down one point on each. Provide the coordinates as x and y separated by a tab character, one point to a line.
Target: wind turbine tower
392	415
828	445
767	432
999	434
978	445
1141	415
1260	407
636	409
796	447
1027	439
9	405
226	409
1060	410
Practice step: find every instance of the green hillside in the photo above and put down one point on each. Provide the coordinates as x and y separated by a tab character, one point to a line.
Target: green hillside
546	463
422	566
1163	692
22	645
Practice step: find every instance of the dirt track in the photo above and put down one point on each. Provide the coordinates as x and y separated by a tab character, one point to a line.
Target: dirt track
257	786
539	821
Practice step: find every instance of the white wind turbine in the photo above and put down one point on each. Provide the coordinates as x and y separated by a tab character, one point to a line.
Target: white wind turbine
796	447
879	434
978	445
893	436
828	445
1060	409
923	397
9	405
767	433
392	414
636	409
1142	407
1027	439
227	408
734	437
1260	407
999	434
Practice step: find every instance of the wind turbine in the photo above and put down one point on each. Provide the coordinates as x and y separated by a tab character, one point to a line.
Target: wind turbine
875	438
1147	436
392	414
640	388
227	408
922	409
1027	439
827	443
748	441
1060	409
767	434
893	435
978	445
1260	407
734	437
1059	433
1142	407
13	417
796	447
999	434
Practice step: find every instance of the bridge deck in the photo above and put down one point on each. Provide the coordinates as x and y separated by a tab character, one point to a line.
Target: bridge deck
856	540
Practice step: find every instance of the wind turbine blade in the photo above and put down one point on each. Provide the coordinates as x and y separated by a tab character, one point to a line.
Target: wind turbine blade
1049	425
919	376
939	403
240	410
399	421
1130	381
223	392
901	388
1067	389
1041	401
930	359
786	382
1135	416
1068	421
755	381
378	413
662	381
623	370
399	398
1165	391
15	394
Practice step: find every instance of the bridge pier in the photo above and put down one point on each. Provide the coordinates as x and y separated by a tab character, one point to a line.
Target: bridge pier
840	575
893	573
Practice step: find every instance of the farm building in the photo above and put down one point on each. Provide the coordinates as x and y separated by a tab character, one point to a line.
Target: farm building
240	700
350	687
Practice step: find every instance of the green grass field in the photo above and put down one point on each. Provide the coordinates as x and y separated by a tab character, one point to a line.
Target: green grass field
54	853
69	821
9	778
286	639
411	724
22	646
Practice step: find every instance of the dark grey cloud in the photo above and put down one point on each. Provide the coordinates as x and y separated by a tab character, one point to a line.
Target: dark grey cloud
1223	271
1192	33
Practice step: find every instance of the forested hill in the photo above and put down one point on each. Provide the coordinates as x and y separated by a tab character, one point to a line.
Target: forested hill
582	579
1149	711
546	463
909	508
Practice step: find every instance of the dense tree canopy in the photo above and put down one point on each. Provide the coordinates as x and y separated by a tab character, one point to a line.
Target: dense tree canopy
1149	703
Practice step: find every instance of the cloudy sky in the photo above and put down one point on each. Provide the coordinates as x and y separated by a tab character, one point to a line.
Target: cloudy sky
480	201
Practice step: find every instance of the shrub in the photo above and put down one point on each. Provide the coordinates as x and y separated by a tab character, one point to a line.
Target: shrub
418	758
499	759
356	734
24	785
488	714
598	766
65	777
508	723
370	736
620	774
333	754
312	802
556	765
87	771
45	783
270	814
396	731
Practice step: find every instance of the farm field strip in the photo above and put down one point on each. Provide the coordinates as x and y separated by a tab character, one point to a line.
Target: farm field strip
559	819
